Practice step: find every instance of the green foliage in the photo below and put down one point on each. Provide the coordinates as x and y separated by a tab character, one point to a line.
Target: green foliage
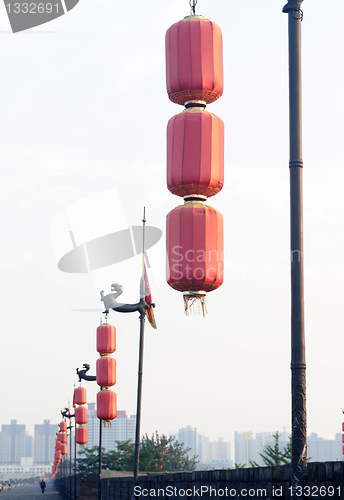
157	454
274	456
89	461
239	466
253	463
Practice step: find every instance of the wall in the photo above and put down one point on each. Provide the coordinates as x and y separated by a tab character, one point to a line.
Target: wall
325	480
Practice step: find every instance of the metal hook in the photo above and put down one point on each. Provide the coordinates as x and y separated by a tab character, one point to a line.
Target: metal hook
299	14
193	4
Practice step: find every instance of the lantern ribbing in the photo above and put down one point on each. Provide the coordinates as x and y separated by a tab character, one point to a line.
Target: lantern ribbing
195	158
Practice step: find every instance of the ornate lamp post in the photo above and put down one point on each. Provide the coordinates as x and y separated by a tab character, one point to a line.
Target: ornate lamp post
298	360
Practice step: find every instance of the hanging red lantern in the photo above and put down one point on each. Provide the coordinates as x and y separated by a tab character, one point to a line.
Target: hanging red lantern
106	339
62	437
194	237
106	405
80	395
63	449
194	60
58	455
106	371
81	415
195	153
81	435
63	426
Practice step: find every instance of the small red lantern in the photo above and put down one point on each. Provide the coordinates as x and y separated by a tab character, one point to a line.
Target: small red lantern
194	236
194	61
63	449
195	153
106	405
62	437
81	415
106	339
106	371
63	426
58	455
80	396
81	435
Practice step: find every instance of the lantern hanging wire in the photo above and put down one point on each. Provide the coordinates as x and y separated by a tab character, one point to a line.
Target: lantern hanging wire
193	4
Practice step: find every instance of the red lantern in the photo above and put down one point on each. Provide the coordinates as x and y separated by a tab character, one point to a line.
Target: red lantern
81	434
63	426
106	339
63	449
81	415
106	405
58	455
106	371
62	437
194	61
80	396
194	236
195	153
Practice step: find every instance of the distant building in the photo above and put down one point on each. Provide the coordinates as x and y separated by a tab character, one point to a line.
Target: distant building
44	443
12	443
187	436
324	450
122	429
214	454
28	445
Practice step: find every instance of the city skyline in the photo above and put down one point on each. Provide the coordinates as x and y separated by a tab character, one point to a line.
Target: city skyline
84	116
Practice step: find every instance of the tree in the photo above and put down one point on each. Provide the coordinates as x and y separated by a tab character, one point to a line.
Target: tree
275	456
89	463
157	454
160	453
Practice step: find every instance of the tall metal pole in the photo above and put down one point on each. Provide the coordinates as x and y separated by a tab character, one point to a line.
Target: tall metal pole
100	459
140	368
298	360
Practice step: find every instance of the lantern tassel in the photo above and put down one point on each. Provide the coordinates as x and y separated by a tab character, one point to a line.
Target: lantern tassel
195	303
107	423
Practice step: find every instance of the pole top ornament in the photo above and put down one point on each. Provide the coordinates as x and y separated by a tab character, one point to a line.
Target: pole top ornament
292	5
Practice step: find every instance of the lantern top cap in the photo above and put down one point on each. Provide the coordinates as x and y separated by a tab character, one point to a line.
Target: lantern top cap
194	17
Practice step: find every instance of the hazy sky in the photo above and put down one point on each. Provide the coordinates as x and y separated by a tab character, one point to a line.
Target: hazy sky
84	111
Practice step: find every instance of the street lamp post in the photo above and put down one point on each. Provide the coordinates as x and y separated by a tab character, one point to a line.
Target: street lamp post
298	360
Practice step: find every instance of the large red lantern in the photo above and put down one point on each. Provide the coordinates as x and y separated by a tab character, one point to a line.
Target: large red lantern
194	237
195	153
106	339
80	395
63	449
194	67
81	415
81	435
106	405
106	371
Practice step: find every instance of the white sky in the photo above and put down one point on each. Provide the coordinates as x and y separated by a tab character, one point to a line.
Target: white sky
84	110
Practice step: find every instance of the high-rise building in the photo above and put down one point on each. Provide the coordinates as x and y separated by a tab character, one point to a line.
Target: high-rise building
122	429
12	443
44	443
324	450
187	436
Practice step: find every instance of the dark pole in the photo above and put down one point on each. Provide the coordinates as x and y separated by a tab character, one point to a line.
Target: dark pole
298	360
138	410
74	459
100	458
140	370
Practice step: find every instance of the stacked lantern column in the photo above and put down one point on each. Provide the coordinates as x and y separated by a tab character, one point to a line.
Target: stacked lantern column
106	373
195	158
62	437
79	398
